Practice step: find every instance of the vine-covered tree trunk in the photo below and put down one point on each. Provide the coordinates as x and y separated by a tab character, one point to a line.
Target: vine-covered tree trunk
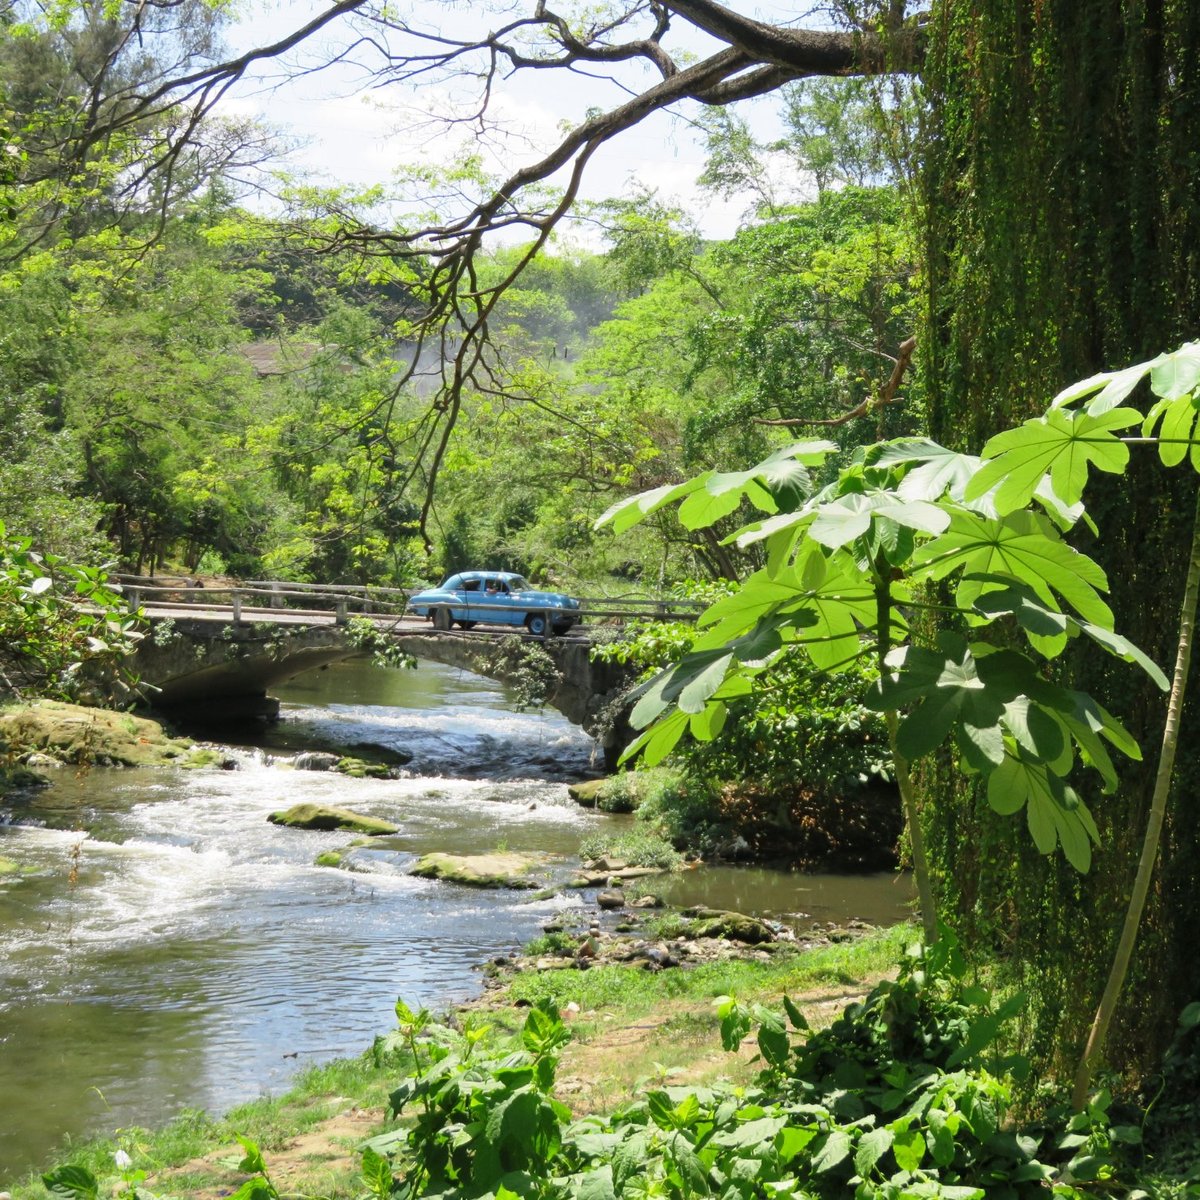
1062	217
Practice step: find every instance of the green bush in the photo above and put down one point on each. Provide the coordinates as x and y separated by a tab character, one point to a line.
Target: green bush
800	728
904	1097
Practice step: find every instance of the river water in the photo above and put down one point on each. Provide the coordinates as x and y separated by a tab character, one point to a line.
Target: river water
166	947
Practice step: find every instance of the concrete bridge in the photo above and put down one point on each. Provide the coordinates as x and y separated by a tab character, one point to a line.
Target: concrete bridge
210	660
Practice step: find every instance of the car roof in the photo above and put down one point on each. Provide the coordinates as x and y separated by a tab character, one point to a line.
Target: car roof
464	575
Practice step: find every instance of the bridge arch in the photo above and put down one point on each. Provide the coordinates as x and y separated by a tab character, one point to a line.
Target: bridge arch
221	671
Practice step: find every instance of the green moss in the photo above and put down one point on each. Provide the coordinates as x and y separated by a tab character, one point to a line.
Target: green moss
314	816
479	870
72	733
360	768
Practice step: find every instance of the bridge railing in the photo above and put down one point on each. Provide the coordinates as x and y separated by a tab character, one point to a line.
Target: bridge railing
265	598
248	598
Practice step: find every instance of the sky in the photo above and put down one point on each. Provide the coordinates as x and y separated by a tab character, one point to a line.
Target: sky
352	136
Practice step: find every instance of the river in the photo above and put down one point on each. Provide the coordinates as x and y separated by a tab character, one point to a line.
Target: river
166	947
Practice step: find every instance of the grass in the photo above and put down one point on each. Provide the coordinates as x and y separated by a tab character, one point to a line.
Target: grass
639	847
316	1095
633	991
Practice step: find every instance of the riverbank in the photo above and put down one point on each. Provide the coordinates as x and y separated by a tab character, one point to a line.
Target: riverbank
629	1026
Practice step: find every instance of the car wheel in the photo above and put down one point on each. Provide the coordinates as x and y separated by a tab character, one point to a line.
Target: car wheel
536	624
467	624
442	619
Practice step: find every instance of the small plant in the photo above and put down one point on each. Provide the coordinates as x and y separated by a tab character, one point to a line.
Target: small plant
637	847
165	633
527	669
558	943
366	635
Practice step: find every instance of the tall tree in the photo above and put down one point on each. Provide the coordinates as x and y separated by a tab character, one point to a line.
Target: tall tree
1062	209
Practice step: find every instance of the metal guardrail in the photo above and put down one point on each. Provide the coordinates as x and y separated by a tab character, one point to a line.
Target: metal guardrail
345	600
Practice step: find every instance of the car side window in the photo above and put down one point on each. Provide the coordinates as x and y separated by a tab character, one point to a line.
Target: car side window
471	585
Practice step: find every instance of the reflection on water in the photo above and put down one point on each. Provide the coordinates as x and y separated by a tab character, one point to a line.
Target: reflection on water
166	947
798	900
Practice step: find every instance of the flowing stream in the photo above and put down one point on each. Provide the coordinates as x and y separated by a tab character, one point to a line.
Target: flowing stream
165	947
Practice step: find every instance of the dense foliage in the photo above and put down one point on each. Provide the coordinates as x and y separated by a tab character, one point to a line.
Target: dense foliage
907	1094
1061	218
65	630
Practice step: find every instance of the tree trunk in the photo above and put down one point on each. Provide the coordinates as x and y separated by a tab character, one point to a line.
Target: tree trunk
1061	220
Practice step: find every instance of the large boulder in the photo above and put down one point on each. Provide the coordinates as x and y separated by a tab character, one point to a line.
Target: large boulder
729	926
314	816
499	870
74	734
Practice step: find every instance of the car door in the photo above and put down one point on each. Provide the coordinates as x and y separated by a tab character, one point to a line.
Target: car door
490	604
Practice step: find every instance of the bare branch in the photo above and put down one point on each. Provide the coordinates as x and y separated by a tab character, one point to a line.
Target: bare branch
885	396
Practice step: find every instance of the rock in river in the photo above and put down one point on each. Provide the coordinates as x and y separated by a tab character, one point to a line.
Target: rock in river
314	760
313	816
479	870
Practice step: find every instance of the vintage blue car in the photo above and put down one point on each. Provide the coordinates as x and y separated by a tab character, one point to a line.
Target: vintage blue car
494	598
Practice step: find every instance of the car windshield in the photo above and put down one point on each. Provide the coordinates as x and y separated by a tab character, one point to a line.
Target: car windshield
517	584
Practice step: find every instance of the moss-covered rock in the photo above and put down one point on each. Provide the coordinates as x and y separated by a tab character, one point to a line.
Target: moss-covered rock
585	793
730	926
20	779
499	870
360	768
314	816
74	734
11	871
616	794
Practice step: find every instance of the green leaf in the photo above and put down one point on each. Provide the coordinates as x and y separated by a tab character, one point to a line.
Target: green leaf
658	741
72	1183
597	1185
1034	729
1177	431
792	1140
872	1146
629	512
1045	627
1023	546
952	689
1054	813
629	1159
794	1015
253	1160
712	495
1063	444
833	1152
1123	648
1112	386
707	725
662	1111
376	1174
691	1169
544	1030
909	1149
1178	374
773	1043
